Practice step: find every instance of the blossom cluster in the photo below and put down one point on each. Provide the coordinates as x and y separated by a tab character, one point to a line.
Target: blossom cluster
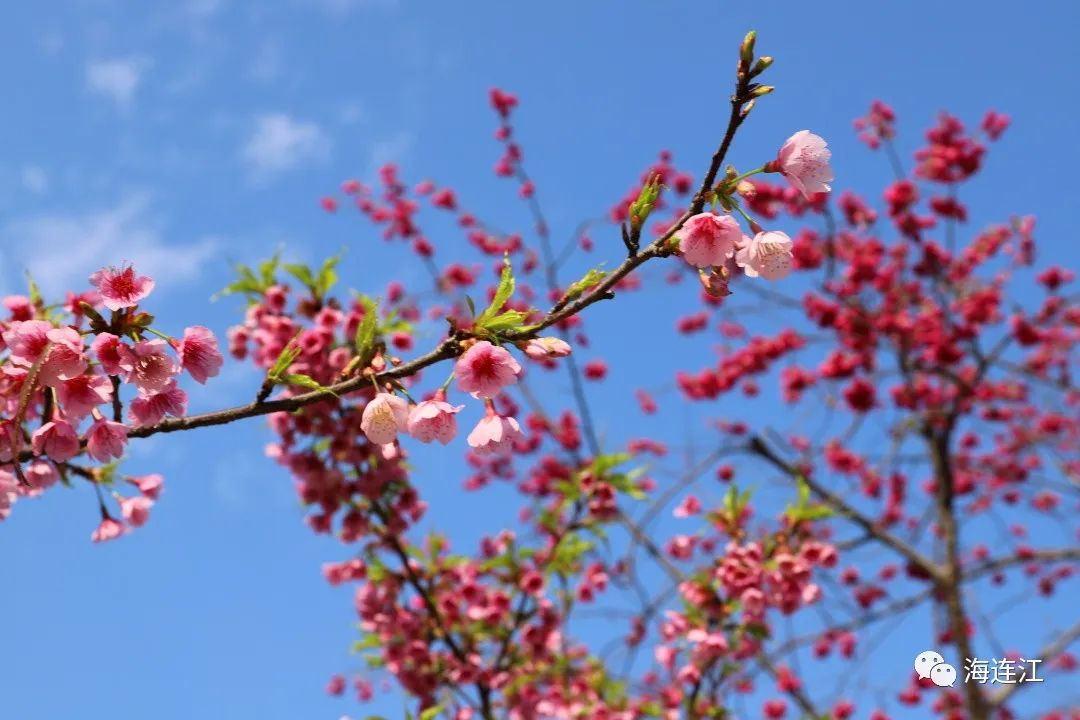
715	242
64	373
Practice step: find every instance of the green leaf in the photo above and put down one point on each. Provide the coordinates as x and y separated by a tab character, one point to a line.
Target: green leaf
502	293
471	304
306	381
431	713
268	270
288	355
592	278
327	275
35	291
303	274
817	512
503	322
367	331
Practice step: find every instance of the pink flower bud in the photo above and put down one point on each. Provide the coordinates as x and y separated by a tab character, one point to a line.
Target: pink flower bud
109	529
547	347
136	510
149	485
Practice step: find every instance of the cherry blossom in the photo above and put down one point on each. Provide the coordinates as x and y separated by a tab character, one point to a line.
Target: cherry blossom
384	417
434	420
708	239
106	440
121	288
767	255
199	353
804	161
485	369
494	434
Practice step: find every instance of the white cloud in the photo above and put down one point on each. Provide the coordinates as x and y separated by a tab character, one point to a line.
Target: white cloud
61	250
115	79
34	179
279	143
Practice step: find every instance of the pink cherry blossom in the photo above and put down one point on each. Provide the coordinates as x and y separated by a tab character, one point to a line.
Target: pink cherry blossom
804	161
41	475
57	439
106	440
485	369
707	239
384	417
154	367
82	394
494	434
690	506
20	306
9	487
768	254
10	440
115	357
65	359
547	347
149	485
27	340
136	510
120	287
199	353
434	419
109	529
151	408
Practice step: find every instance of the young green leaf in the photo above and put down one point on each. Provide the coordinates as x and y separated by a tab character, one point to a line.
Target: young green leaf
327	276
502	293
503	322
303	274
306	381
287	357
367	331
592	278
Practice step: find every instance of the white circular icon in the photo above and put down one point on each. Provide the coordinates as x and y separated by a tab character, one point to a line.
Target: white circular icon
943	675
925	662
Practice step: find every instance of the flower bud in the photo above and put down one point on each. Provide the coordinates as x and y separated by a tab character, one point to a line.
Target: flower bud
761	65
646	200
746	50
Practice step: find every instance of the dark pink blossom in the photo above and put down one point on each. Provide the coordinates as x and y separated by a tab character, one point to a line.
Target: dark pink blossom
120	287
199	353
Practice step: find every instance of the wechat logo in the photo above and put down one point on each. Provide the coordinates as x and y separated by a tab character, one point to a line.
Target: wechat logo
930	664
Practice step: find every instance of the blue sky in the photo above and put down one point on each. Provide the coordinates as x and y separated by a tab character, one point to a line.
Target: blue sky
186	134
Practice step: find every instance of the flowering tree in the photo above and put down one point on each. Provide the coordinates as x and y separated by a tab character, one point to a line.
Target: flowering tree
936	399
